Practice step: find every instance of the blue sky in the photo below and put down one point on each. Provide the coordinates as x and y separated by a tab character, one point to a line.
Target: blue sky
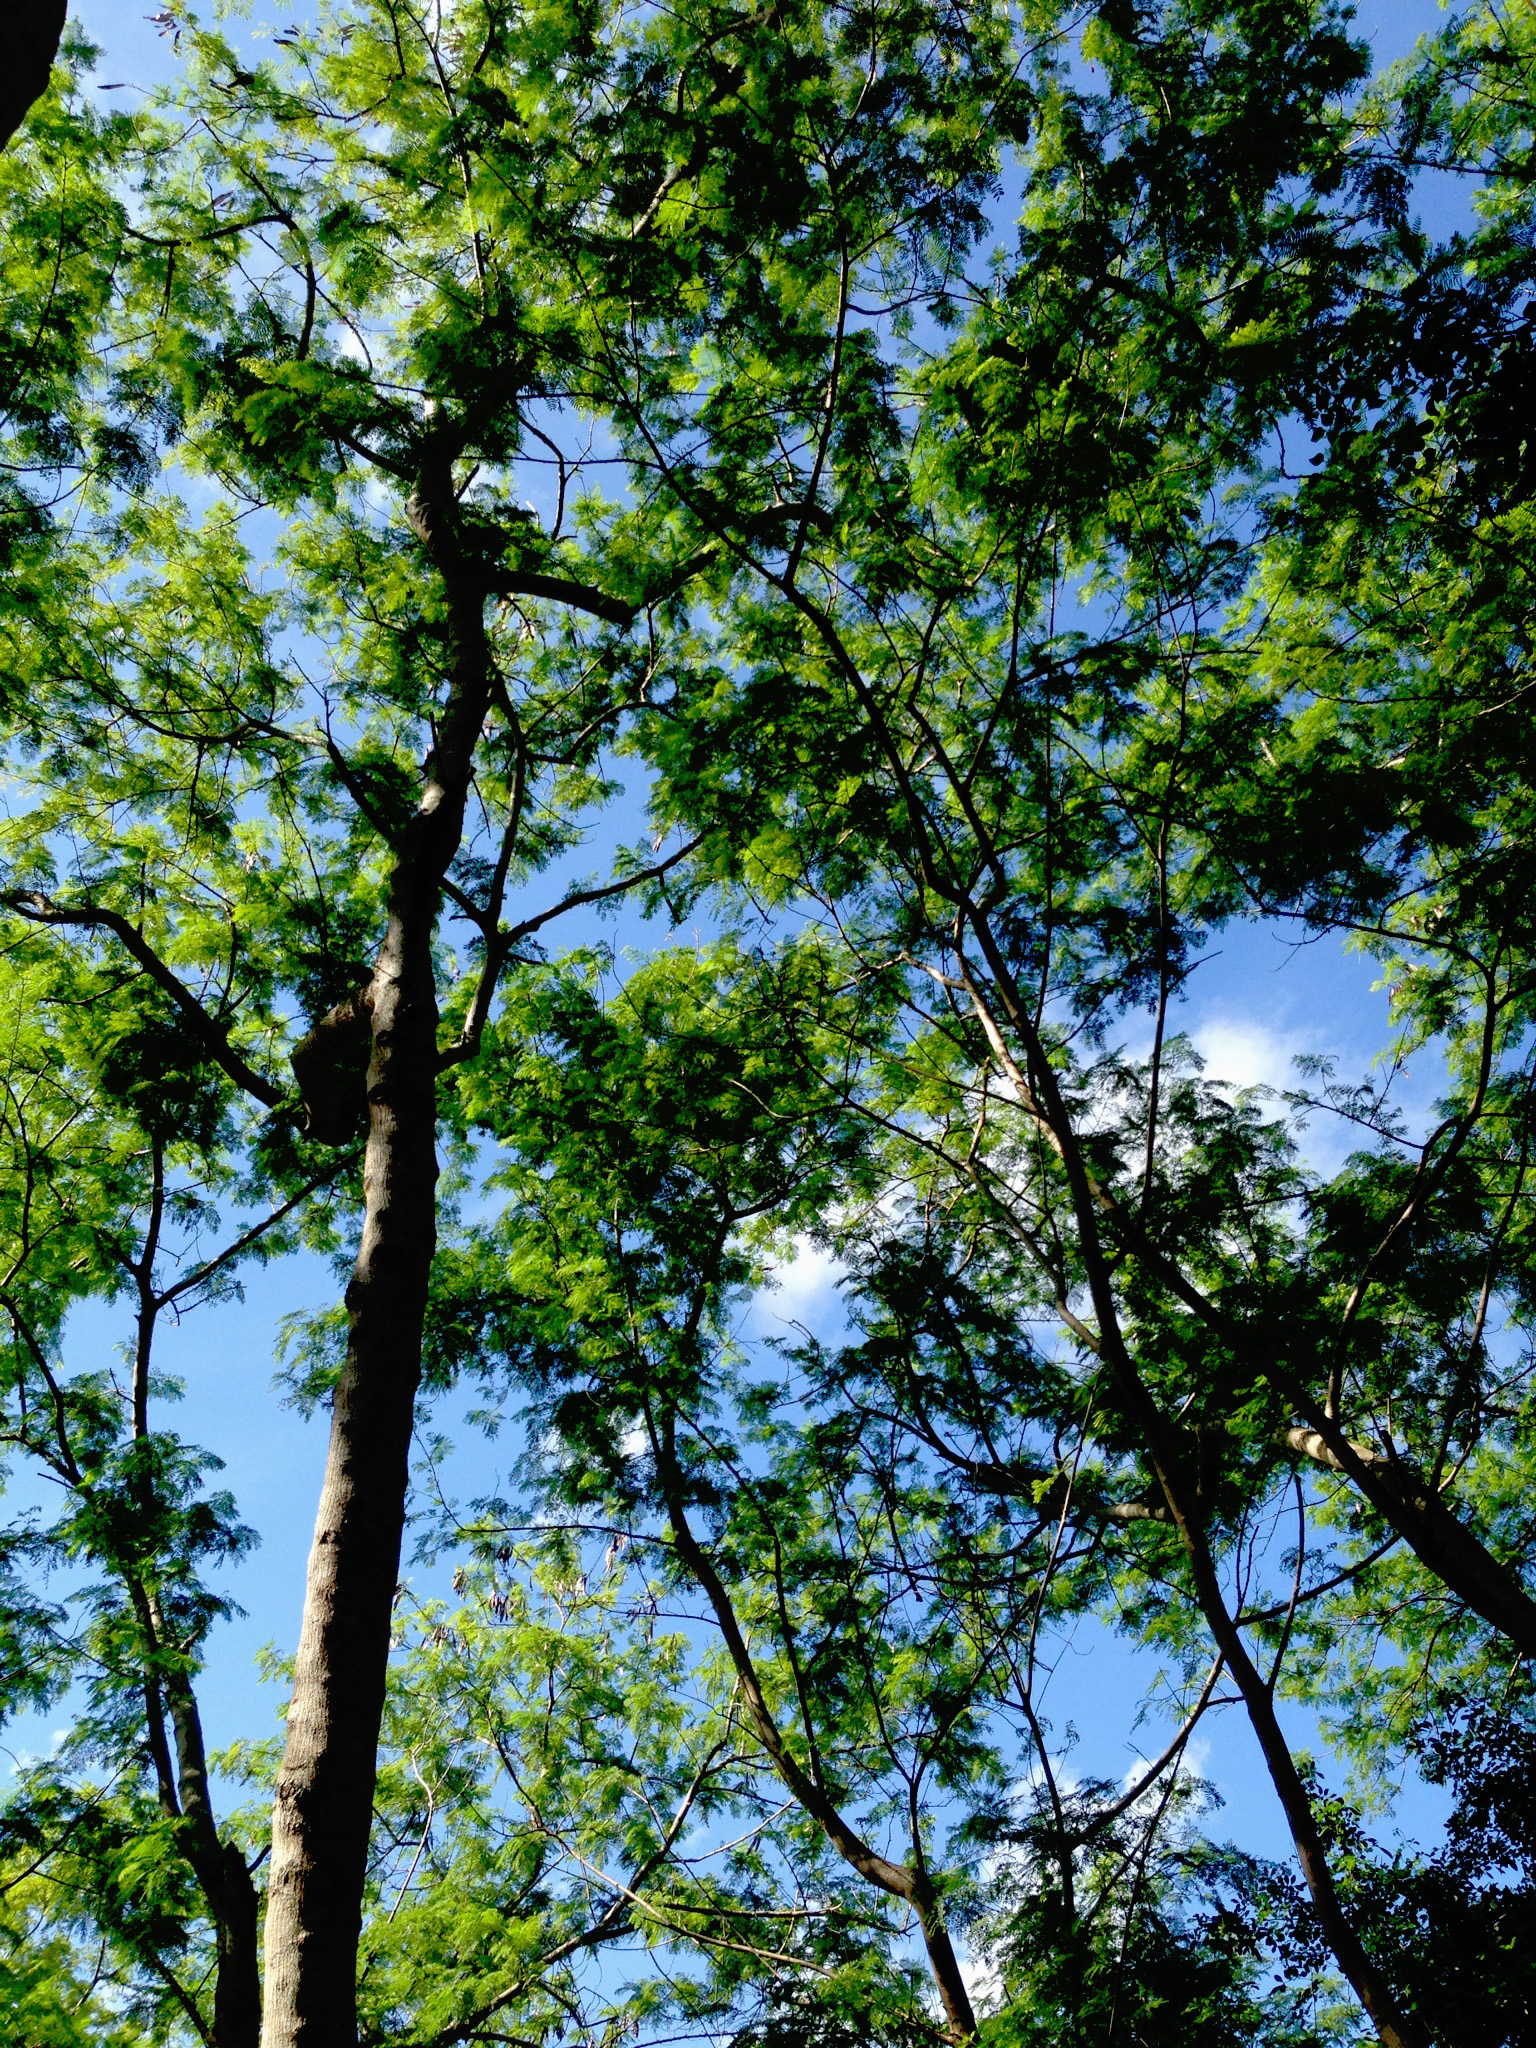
1256	1001
134	48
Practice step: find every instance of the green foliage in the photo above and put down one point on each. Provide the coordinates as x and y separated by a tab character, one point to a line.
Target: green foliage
872	431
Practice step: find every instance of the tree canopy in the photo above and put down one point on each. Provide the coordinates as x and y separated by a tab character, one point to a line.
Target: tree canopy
929	516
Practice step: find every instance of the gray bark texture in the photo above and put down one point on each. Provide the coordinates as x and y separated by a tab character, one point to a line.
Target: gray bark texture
324	1803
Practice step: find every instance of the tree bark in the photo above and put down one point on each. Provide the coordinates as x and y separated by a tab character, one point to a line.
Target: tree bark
1409	1504
223	1878
324	1801
29	42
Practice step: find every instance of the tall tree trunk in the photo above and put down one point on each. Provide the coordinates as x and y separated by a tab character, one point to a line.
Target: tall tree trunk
324	1802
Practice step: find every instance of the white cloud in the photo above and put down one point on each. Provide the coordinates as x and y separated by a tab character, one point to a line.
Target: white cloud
802	1289
634	1443
1240	1052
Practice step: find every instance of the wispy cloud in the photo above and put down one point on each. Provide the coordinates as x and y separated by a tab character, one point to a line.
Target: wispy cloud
1241	1052
802	1290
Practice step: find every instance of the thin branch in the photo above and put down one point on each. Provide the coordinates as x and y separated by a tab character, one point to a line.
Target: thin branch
37	908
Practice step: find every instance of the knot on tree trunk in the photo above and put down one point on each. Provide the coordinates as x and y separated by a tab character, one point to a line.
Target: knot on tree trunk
331	1068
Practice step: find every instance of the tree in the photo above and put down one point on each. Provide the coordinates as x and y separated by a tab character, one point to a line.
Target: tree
402	298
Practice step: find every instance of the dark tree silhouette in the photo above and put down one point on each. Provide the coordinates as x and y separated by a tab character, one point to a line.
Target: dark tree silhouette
29	42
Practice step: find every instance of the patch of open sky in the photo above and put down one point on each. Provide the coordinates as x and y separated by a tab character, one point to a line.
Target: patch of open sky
1106	1699
272	1459
140	44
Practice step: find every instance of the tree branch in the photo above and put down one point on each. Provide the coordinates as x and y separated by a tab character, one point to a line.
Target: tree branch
37	908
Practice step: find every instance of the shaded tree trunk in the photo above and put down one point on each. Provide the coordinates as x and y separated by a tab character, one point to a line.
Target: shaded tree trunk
29	42
237	1985
324	1801
223	1878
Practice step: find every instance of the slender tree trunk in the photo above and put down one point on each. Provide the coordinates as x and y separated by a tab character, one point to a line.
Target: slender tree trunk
221	1873
1391	2023
909	1882
942	1960
218	1866
1394	2027
324	1803
237	1984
